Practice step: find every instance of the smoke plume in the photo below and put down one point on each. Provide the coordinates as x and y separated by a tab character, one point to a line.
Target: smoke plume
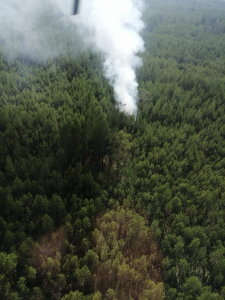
39	30
115	27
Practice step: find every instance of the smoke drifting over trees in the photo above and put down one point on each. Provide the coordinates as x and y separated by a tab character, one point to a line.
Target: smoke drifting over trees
36	30
116	29
40	30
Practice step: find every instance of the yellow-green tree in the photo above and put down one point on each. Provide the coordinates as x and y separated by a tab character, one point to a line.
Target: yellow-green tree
129	260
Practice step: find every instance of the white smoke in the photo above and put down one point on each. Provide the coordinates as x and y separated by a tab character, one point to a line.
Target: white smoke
35	29
39	29
116	27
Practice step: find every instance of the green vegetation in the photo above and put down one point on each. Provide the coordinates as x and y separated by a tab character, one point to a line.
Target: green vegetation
97	205
126	257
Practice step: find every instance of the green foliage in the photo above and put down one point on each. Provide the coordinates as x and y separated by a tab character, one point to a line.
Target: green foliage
67	154
129	264
74	296
8	264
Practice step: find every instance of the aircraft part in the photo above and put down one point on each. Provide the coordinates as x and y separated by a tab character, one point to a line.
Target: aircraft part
76	6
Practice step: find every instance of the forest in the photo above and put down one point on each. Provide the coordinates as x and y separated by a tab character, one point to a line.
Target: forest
98	204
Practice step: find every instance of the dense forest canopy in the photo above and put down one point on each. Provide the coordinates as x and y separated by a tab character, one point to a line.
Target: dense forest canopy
97	204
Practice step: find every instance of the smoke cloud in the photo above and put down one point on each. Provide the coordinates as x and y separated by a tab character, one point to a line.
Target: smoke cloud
36	29
116	27
41	29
